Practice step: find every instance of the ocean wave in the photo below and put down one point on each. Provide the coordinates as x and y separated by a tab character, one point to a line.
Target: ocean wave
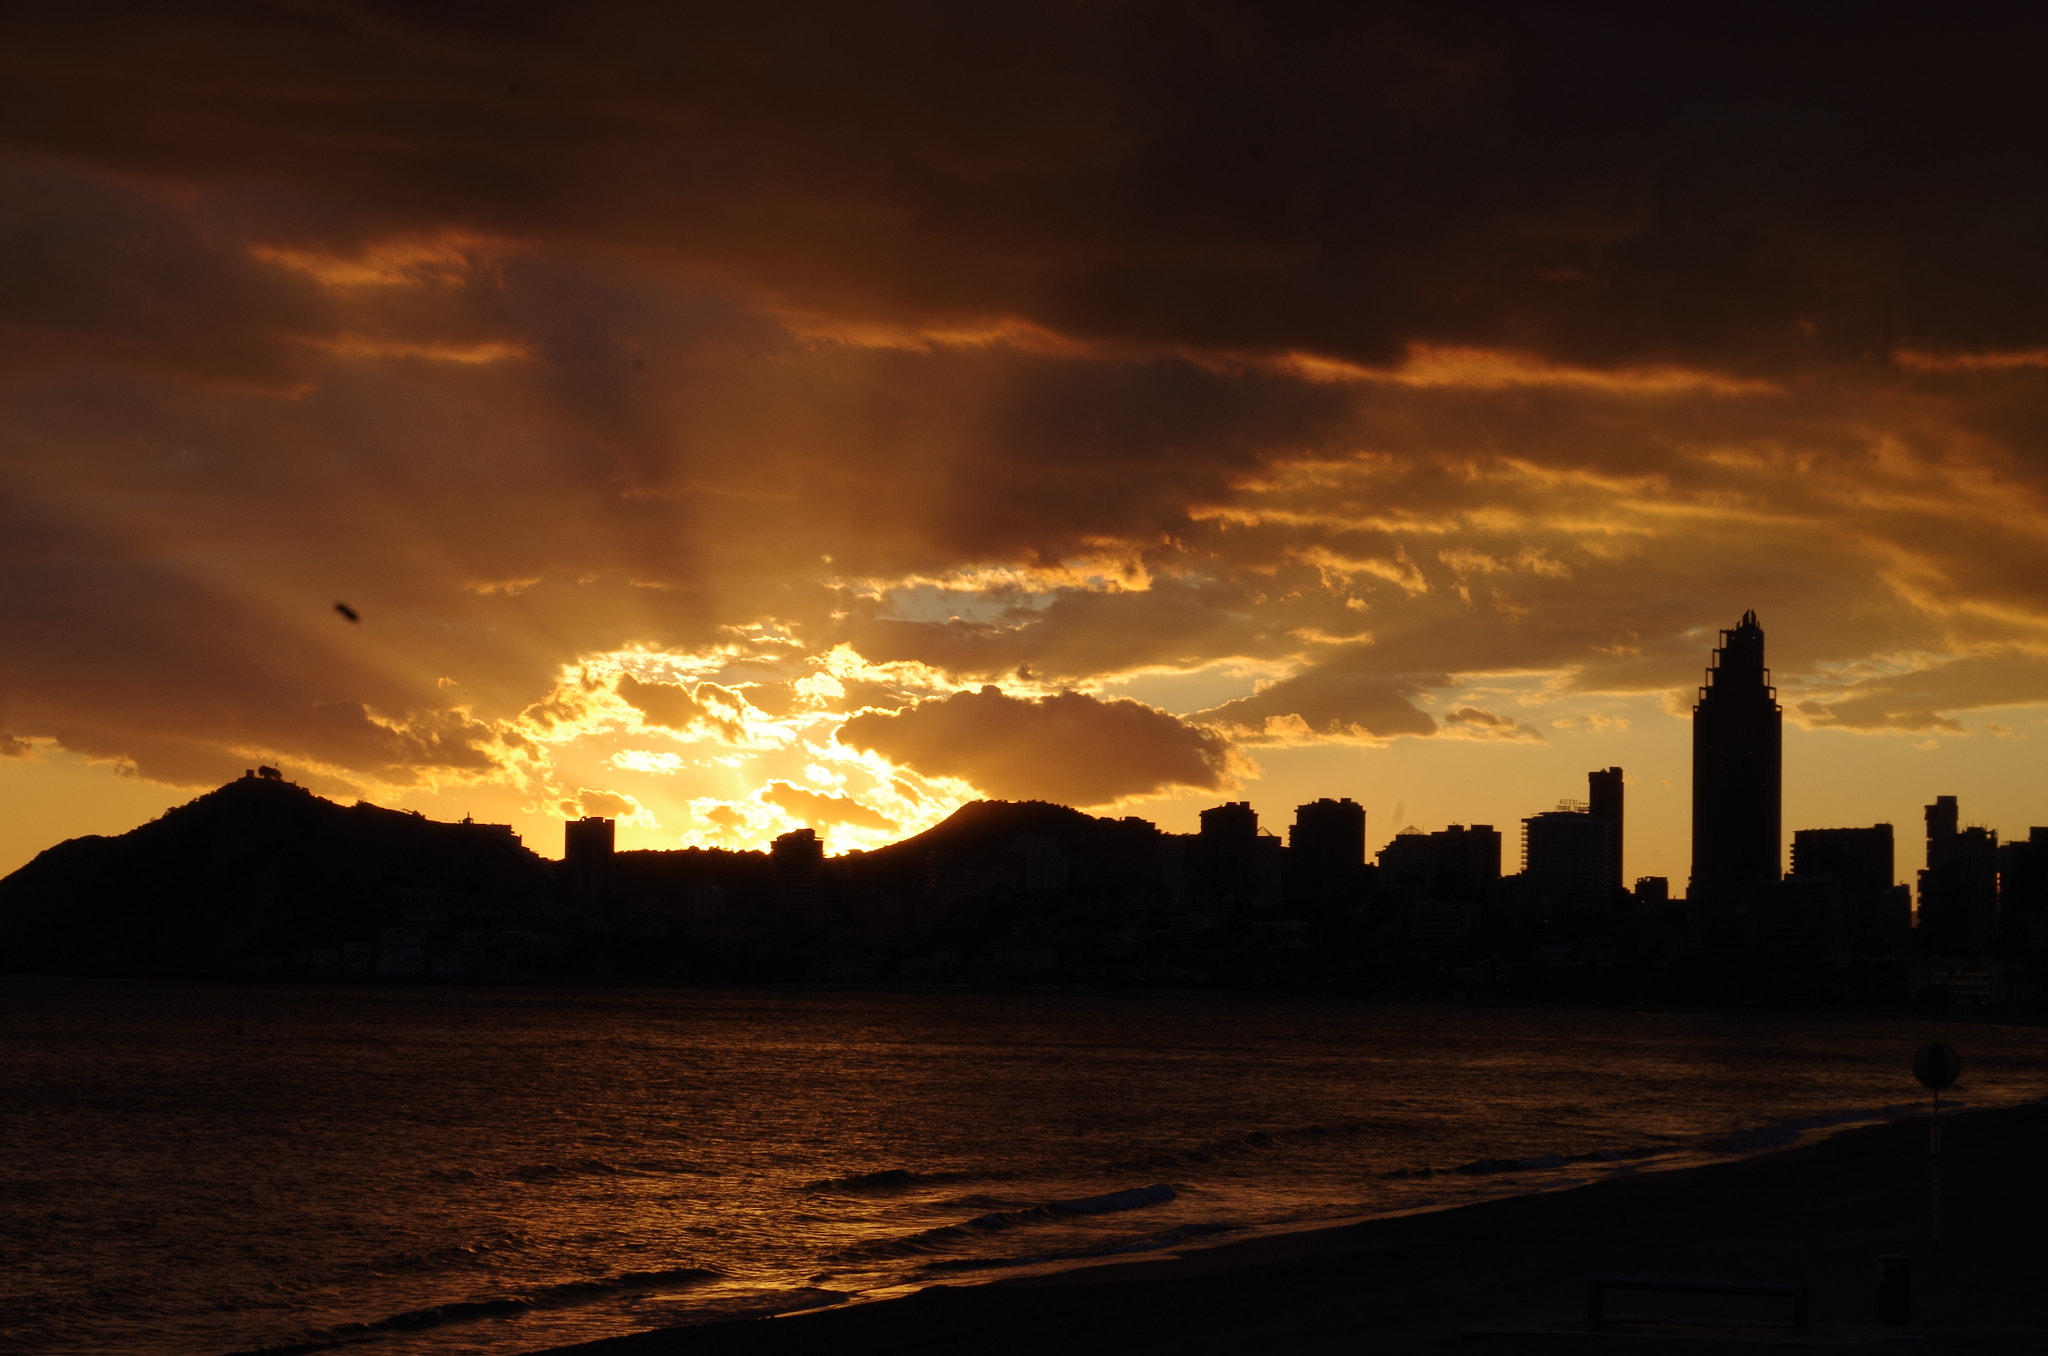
1479	1167
1224	1149
927	1240
887	1179
575	1167
582	1167
1116	1247
1221	1149
1257	1142
670	1167
1779	1134
467	1253
557	1296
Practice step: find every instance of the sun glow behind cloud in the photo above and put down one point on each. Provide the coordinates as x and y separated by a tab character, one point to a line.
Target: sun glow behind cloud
726	747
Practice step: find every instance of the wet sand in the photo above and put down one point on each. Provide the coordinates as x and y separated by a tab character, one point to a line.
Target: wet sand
1821	1214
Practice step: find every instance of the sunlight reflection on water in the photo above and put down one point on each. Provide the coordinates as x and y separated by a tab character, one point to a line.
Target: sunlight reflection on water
213	1170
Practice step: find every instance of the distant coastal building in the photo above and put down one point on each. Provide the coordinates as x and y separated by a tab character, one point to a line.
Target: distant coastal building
1326	852
1875	914
1226	852
1959	887
798	861
1737	769
1568	853
1458	863
1573	853
1604	801
502	832
2023	890
587	852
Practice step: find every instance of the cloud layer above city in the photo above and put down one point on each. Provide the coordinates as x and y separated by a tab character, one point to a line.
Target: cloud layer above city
735	418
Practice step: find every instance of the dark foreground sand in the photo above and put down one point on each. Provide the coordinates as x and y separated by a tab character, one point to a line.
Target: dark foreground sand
1822	1214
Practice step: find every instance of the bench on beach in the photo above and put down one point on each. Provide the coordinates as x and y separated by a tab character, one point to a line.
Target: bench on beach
1599	1287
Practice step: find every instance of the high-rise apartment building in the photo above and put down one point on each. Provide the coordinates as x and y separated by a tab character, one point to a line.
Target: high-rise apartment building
1959	887
2023	889
1326	852
1875	914
587	849
1460	863
1573	853
1227	857
1604	801
1569	853
1737	768
797	859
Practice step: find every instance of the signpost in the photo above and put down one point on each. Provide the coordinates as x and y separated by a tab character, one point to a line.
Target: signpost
1937	1066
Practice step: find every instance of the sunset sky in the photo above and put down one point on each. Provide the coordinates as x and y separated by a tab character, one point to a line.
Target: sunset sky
738	417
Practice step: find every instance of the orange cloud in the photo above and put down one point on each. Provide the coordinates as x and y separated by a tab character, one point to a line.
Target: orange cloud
819	808
1914	360
1330	701
1067	747
604	804
1471	722
684	708
1924	697
1431	365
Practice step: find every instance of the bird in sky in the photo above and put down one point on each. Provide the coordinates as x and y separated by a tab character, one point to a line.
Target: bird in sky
345	610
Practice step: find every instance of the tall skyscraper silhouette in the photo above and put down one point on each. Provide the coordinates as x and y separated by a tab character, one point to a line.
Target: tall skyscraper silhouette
1737	767
1604	801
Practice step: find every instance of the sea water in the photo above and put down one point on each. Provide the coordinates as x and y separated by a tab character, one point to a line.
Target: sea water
195	1171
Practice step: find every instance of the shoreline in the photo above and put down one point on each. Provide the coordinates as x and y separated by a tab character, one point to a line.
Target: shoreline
1820	1212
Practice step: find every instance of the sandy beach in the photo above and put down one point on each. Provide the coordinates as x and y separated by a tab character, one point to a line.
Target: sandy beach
1510	1276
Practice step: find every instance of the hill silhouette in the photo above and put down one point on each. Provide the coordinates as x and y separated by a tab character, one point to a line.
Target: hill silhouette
263	876
988	825
245	876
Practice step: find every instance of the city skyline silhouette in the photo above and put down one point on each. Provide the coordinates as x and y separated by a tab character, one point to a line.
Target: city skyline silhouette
1659	805
261	877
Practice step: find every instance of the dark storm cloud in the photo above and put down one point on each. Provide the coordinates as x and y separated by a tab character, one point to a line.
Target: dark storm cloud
1753	186
1067	747
124	654
92	272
